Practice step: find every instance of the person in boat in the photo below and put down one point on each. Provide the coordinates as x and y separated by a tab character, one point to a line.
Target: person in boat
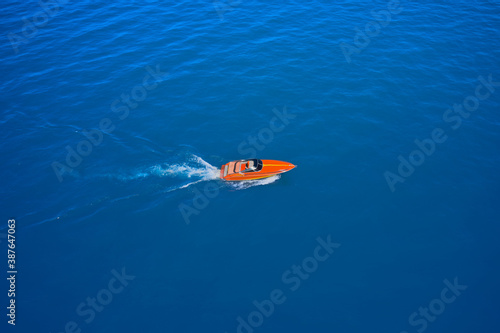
252	165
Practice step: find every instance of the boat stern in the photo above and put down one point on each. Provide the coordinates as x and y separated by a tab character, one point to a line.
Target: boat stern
223	171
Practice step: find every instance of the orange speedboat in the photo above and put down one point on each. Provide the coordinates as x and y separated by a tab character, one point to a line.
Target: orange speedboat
253	169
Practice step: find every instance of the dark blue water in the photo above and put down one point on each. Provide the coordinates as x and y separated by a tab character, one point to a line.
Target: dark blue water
116	116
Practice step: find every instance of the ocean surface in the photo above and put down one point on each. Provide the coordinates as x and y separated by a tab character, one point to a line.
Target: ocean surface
116	117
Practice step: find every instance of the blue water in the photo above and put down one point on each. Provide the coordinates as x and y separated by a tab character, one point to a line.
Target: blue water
170	91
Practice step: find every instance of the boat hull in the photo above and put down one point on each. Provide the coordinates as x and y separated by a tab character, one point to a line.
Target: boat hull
229	171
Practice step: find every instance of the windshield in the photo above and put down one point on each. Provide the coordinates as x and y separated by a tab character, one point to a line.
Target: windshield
252	165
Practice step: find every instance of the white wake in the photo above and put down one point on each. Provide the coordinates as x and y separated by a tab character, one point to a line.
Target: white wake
194	168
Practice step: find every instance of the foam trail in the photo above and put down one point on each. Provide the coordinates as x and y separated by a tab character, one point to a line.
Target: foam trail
186	170
194	167
184	186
